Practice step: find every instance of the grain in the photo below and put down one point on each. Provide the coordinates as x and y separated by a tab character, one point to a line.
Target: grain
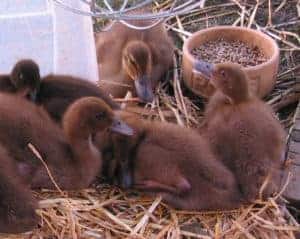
221	50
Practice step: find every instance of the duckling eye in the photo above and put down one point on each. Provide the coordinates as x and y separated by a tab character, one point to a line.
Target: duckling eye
131	60
100	115
21	76
223	73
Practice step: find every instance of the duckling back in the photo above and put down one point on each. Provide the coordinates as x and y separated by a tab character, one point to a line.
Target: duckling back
57	92
182	168
21	123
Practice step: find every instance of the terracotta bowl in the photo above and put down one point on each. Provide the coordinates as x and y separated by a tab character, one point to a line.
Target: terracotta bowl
262	77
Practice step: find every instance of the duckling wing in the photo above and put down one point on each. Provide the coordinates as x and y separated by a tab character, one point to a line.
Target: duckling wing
156	186
156	169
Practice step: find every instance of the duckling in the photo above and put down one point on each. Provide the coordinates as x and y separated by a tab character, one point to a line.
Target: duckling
24	79
57	92
54	92
242	129
134	60
70	154
17	204
176	163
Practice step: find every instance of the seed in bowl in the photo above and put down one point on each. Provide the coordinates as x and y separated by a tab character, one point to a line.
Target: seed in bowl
221	50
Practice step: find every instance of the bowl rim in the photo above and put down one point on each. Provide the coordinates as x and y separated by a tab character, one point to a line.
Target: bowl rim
262	35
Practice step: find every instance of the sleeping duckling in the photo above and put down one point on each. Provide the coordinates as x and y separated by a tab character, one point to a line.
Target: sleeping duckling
54	92
70	154
17	204
134	60
242	129
175	163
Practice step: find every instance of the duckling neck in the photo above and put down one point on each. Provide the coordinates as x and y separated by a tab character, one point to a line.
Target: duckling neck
87	158
240	93
240	98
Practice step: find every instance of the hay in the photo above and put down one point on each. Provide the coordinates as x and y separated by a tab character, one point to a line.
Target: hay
105	211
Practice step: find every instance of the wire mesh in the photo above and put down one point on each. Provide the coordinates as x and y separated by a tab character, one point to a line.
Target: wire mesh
125	11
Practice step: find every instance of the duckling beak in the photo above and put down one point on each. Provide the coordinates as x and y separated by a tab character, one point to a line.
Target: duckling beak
119	126
144	89
33	95
205	68
28	94
126	181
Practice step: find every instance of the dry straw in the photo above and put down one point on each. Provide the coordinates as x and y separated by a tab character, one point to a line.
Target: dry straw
104	211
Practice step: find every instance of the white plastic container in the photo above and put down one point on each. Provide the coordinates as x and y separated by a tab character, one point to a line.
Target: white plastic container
60	41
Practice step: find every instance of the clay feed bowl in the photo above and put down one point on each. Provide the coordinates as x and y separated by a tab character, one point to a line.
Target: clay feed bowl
262	77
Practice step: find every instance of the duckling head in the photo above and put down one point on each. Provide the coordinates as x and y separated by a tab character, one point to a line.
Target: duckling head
25	77
90	115
229	78
137	63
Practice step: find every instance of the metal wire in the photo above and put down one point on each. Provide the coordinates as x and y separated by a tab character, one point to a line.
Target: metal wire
124	14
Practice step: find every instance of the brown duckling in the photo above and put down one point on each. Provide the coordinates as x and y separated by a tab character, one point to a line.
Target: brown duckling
17	204
134	60
175	163
242	129
54	92
57	92
24	79
70	154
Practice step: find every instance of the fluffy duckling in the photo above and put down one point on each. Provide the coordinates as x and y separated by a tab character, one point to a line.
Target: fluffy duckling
57	92
175	163
242	129
17	203
133	60
70	154
24	79
54	92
